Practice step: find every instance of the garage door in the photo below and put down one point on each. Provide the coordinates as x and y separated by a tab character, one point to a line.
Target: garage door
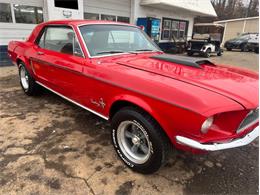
107	10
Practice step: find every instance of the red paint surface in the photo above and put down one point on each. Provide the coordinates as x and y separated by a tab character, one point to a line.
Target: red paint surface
179	97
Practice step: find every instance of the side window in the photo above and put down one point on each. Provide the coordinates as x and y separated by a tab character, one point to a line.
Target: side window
60	39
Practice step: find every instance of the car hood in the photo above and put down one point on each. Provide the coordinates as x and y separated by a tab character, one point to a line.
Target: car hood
235	83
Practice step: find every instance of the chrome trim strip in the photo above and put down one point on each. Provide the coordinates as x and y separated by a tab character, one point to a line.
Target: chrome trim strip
83	41
72	101
248	125
247	139
78	41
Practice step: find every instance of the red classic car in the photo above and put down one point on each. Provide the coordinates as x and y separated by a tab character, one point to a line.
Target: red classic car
154	101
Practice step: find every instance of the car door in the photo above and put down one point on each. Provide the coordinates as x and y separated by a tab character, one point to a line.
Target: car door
58	60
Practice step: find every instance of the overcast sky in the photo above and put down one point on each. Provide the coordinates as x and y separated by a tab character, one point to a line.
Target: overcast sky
246	2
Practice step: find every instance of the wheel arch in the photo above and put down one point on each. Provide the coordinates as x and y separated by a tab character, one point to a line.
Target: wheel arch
136	102
129	101
19	61
23	60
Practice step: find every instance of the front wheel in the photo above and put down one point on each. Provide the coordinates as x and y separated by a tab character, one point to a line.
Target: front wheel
139	141
256	50
189	53
229	48
207	53
243	48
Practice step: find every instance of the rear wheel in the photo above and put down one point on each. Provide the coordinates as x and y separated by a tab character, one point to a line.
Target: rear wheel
139	141
229	48
189	53
243	48
28	84
207	53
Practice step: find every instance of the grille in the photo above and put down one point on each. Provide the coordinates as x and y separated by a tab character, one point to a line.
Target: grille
251	118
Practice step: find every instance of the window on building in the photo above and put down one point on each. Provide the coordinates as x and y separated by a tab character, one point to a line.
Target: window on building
166	29
182	30
28	14
91	16
5	12
123	19
108	17
174	29
69	4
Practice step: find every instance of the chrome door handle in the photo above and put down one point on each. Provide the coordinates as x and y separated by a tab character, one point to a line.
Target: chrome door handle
40	53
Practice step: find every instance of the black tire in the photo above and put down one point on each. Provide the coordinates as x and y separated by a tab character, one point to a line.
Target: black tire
33	88
256	50
157	141
243	48
207	53
229	48
189	53
219	53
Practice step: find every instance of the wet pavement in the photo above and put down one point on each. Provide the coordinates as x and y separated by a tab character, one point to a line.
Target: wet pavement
50	146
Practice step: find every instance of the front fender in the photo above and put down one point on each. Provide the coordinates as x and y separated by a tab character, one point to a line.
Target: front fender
133	100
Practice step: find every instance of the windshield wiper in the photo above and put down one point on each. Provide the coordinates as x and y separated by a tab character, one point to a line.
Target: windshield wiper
112	51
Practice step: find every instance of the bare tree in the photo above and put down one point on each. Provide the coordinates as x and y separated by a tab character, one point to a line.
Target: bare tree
230	9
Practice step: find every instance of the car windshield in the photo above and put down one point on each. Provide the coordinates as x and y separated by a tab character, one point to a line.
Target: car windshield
110	39
243	37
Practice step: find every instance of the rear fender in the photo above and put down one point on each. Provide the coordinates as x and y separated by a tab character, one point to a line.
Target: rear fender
27	64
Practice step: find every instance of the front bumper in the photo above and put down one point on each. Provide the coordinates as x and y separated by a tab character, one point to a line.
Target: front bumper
247	139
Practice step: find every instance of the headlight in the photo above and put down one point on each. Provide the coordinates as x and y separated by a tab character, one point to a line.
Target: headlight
206	125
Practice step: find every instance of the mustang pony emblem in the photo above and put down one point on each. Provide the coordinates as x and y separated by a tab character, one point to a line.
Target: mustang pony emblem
99	103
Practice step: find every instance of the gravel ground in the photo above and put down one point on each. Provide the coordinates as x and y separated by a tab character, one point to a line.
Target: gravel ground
49	146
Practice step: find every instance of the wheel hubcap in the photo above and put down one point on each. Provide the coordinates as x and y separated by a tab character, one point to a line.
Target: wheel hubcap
133	142
24	78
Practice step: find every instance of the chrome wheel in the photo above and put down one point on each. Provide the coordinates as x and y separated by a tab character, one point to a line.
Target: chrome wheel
24	78
133	141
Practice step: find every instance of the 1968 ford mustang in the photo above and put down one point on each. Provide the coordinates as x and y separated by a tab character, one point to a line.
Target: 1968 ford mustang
154	101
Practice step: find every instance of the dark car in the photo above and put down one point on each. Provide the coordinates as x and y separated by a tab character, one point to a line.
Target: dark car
240	42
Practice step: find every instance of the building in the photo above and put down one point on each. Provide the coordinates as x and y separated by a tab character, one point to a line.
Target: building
236	27
19	17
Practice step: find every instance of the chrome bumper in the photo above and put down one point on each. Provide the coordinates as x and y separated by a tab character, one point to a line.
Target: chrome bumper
247	139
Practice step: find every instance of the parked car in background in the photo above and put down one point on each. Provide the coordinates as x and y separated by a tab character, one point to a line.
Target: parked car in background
206	39
241	42
153	100
204	45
